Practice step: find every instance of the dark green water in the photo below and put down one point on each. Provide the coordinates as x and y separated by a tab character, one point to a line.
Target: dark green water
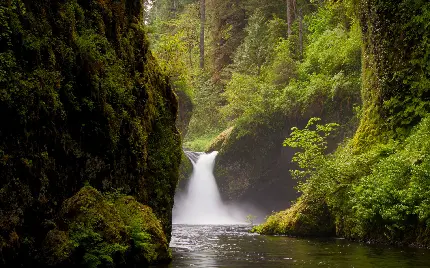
233	246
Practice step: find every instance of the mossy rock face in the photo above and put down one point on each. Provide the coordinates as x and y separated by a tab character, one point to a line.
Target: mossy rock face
395	68
85	102
185	172
96	231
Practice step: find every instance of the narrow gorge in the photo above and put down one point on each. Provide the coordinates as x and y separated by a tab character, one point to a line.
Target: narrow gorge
214	133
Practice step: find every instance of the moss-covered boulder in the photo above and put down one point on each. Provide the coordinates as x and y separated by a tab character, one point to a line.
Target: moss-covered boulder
306	217
99	231
85	103
149	242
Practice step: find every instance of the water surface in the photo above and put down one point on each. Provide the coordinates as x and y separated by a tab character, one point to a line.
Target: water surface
233	246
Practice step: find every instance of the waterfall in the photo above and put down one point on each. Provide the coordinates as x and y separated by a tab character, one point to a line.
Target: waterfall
201	203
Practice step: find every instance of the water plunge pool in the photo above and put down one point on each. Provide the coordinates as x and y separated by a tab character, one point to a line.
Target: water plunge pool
233	246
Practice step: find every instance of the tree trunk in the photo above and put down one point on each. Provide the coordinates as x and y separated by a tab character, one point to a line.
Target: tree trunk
190	55
291	11
202	33
174	7
300	33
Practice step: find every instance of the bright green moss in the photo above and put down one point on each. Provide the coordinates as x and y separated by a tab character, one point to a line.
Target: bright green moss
395	68
97	231
306	217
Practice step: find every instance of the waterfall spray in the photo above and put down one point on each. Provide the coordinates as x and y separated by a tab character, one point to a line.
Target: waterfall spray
201	203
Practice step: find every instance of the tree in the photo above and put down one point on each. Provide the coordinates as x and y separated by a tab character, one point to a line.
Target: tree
227	23
202	33
313	143
252	53
291	14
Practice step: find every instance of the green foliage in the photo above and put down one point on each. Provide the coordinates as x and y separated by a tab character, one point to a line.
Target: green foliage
257	46
146	232
248	93
201	143
175	45
380	194
369	189
267	76
334	50
330	15
376	185
395	195
207	119
287	90
248	96
283	67
97	252
313	143
327	77
94	228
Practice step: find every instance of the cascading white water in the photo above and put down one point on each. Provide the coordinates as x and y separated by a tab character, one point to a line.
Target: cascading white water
201	203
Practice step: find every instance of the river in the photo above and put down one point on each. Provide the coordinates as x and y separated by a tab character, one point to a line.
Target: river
233	246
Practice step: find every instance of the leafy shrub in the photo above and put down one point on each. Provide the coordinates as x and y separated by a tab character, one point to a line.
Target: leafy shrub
395	196
313	143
